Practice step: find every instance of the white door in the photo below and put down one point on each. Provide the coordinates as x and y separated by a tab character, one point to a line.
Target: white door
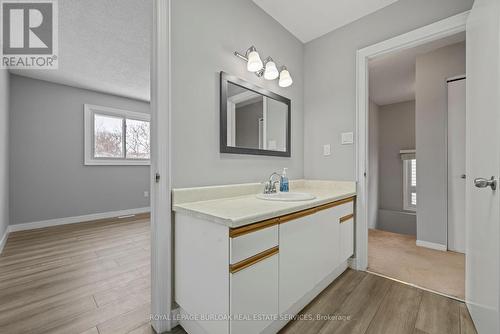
482	160
456	165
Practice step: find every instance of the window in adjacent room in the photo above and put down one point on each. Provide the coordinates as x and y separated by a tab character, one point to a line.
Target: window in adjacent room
116	137
410	184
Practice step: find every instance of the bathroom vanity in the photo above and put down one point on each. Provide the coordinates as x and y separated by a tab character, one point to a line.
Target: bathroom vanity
248	265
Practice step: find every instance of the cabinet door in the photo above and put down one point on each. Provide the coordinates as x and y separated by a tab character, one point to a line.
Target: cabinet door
254	294
298	240
346	238
327	243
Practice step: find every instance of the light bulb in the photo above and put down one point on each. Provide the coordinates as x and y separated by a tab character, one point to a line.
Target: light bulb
285	78
254	62
271	71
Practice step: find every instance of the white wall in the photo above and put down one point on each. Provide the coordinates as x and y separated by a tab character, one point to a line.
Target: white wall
373	164
204	36
4	151
432	70
48	179
330	79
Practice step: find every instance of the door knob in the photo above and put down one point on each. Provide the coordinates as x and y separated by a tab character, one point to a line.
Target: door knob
463	176
483	183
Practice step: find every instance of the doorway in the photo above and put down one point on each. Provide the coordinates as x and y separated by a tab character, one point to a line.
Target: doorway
421	242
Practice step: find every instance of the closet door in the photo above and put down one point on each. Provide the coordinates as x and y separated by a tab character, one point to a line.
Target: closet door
456	165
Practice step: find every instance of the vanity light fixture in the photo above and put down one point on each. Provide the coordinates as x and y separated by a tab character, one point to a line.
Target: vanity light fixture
254	62
268	69
285	78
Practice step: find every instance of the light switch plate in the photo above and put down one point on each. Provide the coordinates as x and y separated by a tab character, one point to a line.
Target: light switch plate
327	150
347	138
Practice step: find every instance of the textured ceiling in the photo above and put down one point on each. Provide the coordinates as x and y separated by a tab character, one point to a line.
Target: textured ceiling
104	45
392	77
309	19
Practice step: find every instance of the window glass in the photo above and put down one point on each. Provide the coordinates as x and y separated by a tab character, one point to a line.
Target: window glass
137	139
108	136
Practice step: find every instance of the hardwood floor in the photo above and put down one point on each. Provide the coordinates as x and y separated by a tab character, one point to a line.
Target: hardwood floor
81	278
363	303
397	256
94	278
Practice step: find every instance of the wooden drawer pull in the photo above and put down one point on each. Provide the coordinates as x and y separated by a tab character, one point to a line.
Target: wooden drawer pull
337	203
296	215
234	268
239	231
346	218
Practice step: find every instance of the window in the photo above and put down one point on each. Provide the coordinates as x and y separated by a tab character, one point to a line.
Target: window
410	184
116	137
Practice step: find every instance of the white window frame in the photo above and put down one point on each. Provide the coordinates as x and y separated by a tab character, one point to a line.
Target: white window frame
89	111
407	186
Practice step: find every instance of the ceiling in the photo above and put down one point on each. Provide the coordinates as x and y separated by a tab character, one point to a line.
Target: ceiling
311	19
392	77
104	45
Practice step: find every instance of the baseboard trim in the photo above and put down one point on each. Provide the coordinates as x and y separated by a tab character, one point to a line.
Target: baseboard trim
75	219
432	245
3	241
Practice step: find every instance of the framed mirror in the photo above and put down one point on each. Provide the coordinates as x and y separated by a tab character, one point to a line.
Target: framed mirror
253	120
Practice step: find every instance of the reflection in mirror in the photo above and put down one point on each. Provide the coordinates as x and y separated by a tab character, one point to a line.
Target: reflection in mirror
255	121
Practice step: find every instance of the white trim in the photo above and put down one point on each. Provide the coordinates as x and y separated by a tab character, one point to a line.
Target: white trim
432	245
89	110
161	148
3	241
75	219
407	151
429	33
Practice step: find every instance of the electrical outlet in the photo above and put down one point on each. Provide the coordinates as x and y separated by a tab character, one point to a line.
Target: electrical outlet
146	194
327	150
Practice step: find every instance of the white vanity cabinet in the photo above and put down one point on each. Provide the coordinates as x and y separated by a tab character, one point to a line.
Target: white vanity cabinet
251	277
254	276
346	236
254	296
311	249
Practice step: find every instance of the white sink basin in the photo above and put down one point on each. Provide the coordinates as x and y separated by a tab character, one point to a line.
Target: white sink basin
286	197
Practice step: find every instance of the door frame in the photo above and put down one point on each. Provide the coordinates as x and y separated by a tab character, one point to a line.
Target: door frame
162	317
448	80
441	29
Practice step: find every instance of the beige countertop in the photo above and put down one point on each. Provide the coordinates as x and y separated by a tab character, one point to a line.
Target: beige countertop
237	205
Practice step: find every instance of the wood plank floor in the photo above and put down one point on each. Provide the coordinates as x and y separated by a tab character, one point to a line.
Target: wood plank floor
360	302
94	278
397	256
81	278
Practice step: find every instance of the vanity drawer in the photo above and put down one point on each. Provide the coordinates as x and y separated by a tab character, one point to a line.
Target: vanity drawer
252	242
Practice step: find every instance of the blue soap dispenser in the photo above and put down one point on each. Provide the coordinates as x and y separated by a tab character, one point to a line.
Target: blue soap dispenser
284	181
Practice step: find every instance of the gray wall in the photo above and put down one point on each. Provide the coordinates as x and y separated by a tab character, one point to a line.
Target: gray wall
396	128
4	151
48	177
432	70
247	124
330	79
373	164
204	36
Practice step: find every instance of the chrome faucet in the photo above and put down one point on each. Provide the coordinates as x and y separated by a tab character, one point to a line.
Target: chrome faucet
270	185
